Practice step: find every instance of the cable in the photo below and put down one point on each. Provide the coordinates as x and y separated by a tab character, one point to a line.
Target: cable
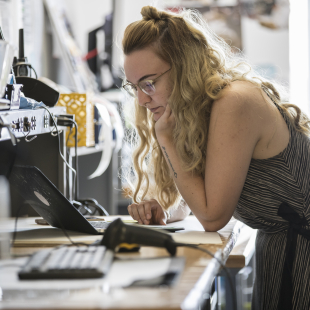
67	235
30	66
68	139
86	202
67	157
55	124
76	185
76	196
192	246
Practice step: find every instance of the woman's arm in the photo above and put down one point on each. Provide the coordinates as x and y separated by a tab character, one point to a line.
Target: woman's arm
179	213
234	130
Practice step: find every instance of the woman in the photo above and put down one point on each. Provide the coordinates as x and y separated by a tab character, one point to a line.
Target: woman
219	142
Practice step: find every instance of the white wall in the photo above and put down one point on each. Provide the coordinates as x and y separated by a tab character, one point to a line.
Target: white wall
86	16
268	49
126	12
17	14
300	54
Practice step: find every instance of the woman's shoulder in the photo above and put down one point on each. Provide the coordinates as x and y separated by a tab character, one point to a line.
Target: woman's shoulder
241	91
242	97
245	105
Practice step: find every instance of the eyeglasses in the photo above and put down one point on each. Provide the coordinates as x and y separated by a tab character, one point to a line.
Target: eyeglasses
147	86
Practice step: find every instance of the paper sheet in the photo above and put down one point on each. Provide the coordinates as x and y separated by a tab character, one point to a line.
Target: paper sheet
117	125
125	272
197	237
105	135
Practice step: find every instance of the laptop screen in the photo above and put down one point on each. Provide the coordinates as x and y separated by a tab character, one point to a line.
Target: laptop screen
39	192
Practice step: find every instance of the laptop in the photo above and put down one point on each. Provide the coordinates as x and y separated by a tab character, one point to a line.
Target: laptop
44	197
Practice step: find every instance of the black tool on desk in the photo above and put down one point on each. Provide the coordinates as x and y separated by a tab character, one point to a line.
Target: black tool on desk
32	87
118	233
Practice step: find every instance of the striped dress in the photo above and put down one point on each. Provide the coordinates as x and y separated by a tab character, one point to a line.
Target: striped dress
276	201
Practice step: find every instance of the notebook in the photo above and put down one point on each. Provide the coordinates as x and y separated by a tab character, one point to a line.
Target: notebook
44	197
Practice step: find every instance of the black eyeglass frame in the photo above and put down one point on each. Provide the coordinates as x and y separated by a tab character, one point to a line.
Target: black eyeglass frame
134	86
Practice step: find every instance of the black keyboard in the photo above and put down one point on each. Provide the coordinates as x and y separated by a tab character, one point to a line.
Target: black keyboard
68	263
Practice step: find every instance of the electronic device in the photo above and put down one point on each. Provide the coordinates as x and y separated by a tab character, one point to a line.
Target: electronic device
100	61
32	87
20	65
68	263
118	233
44	197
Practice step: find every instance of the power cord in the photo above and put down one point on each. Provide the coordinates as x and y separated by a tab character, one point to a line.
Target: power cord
192	246
63	118
85	204
61	155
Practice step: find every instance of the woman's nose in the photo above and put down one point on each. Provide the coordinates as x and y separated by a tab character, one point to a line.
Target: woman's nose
143	98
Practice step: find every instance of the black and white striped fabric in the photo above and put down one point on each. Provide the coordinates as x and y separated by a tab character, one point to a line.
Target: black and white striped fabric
282	179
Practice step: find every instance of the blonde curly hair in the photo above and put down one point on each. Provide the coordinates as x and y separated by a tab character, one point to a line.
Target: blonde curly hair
202	65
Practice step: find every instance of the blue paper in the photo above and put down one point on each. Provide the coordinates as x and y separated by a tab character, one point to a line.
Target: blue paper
28	103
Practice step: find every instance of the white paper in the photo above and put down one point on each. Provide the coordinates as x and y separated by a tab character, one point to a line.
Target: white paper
197	237
117	125
125	272
105	135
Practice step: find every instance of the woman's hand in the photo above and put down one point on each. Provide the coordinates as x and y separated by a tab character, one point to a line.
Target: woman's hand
148	212
165	124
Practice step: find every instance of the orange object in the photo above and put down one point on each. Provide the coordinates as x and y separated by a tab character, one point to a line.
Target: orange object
83	109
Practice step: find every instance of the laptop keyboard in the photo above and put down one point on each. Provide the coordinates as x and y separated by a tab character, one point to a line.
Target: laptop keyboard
99	224
68	263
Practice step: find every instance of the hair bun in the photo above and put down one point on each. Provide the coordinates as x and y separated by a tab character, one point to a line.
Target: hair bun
151	13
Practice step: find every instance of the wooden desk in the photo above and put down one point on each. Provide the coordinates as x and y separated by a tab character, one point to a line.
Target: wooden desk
190	292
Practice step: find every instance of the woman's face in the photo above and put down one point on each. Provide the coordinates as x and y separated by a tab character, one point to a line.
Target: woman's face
142	65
